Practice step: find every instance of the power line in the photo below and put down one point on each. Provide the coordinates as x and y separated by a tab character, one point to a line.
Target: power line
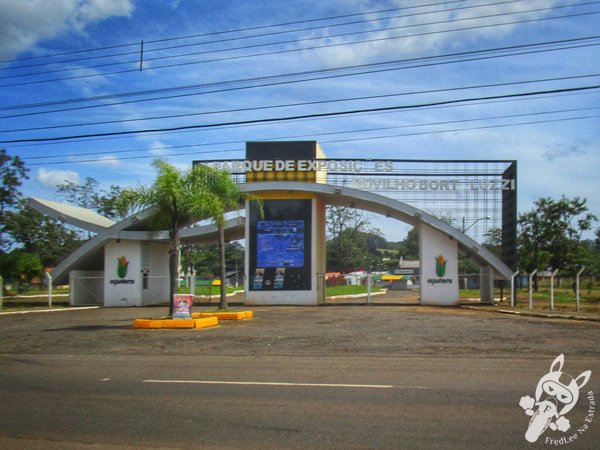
412	134
253	28
294	50
488	16
506	116
287	118
312	103
312	75
356	22
475	103
295	41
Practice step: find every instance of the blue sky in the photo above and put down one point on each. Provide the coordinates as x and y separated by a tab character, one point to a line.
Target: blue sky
554	137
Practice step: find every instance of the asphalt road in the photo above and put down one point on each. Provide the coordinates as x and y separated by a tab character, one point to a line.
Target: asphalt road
292	378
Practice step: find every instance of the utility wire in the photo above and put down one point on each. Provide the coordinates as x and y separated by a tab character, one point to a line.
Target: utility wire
289	105
273	33
294	41
583	40
276	138
408	64
454	130
476	103
303	116
293	50
239	30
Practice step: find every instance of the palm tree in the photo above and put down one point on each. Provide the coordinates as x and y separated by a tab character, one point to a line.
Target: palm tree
177	199
223	195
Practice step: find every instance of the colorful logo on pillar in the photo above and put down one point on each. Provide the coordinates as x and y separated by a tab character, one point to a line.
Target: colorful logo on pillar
122	264
440	266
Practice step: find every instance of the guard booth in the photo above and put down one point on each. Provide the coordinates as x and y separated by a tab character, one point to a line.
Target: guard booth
285	233
135	273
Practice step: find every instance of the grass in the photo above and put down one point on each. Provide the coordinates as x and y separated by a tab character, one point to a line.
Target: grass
14	293
209	290
349	290
561	295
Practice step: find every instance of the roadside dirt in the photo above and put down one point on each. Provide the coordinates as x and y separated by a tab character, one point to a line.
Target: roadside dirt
389	329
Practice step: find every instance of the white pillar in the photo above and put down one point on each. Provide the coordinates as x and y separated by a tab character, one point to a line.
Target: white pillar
512	288
577	287
486	285
531	275
49	278
552	288
439	267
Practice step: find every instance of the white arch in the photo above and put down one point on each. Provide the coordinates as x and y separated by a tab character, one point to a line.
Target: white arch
90	255
368	201
135	227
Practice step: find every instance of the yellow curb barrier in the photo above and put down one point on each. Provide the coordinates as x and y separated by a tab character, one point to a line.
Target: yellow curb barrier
206	322
176	323
155	324
147	323
237	315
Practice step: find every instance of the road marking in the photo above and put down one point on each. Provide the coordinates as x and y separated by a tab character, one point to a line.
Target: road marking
270	383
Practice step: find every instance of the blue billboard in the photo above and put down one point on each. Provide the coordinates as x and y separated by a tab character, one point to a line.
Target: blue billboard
280	243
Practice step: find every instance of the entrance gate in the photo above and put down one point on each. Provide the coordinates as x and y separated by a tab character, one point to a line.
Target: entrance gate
286	244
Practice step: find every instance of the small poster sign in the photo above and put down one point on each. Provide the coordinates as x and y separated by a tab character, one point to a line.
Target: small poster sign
182	306
259	276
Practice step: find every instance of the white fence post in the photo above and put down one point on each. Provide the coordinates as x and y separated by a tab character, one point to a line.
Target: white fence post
512	288
552	288
531	275
577	287
193	282
49	278
369	288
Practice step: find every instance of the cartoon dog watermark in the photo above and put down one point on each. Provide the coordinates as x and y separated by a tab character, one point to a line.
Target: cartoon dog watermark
556	394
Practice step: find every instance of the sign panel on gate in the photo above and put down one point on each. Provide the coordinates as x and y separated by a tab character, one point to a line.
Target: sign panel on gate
439	267
280	239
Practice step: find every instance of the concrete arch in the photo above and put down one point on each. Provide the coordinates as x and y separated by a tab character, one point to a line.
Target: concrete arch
90	256
368	201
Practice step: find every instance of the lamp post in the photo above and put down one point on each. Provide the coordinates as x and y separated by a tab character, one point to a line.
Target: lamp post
464	230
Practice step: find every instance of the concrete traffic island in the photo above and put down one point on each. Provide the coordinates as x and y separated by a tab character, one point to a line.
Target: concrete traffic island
225	315
198	320
204	322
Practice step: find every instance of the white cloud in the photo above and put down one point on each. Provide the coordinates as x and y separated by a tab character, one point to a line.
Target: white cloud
421	30
173	4
26	22
109	160
52	178
564	150
157	148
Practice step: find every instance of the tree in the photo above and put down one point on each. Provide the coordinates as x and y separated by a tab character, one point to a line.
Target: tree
409	247
223	194
493	241
204	259
12	172
551	232
177	199
21	266
87	195
347	246
37	233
